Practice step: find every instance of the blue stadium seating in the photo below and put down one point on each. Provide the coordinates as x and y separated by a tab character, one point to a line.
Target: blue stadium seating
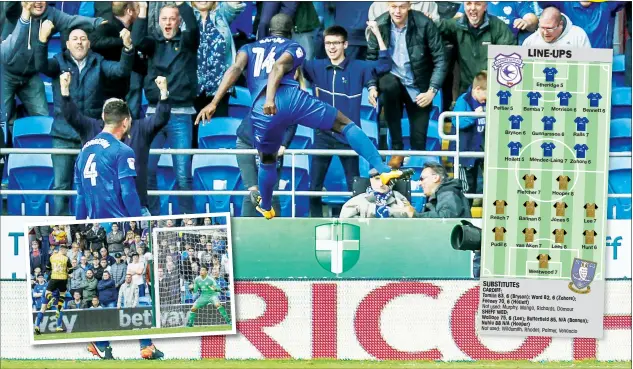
48	90
366	110
240	104
621	103
620	135
433	141
302	183
220	133
618	71
436	109
335	181
619	183
33	132
30	172
166	179
304	137
210	170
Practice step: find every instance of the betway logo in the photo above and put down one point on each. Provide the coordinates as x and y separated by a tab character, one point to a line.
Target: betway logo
393	320
615	244
49	323
144	320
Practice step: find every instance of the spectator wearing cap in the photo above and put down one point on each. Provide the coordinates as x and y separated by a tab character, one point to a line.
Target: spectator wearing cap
128	293
171	53
417	73
77	280
106	291
104	254
38	290
19	72
137	269
556	29
88	70
597	19
119	269
90	289
96	237
471	34
76	302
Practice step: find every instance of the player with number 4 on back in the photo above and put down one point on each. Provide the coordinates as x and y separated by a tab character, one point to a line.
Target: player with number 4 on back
104	170
278	103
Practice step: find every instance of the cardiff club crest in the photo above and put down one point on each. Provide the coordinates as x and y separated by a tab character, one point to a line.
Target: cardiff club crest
509	69
582	274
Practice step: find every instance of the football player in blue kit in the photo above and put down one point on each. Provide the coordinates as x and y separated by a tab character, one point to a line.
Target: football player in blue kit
278	102
104	170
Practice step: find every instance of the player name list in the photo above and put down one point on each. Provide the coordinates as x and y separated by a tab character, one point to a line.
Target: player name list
523	306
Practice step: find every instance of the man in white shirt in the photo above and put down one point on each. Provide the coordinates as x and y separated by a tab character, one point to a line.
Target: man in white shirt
556	29
128	294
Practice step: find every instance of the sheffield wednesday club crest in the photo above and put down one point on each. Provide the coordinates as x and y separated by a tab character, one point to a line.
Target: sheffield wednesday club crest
582	274
509	69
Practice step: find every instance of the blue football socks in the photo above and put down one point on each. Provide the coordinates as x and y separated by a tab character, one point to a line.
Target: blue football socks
359	141
266	178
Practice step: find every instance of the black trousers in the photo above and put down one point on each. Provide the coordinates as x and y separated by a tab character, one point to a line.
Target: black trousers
393	96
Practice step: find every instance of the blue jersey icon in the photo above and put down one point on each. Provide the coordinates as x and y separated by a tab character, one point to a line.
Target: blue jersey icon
549	74
503	97
514	148
548	123
515	121
594	99
581	124
548	147
534	96
580	150
564	98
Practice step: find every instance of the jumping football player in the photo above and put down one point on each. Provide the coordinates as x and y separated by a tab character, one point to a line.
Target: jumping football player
271	64
58	266
209	290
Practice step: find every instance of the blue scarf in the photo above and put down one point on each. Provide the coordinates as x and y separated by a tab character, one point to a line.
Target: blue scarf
211	56
382	210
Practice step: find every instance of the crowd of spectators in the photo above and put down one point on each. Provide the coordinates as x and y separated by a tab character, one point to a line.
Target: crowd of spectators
106	272
118	49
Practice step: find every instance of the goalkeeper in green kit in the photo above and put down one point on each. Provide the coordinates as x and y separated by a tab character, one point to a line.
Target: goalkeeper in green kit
209	291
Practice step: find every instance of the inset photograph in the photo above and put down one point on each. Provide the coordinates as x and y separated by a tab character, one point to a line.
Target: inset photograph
117	279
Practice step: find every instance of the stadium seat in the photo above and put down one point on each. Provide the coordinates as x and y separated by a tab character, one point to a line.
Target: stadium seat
304	137
166	179
33	132
620	135
335	181
366	110
220	133
30	172
215	172
621	103
48	90
619	183
618	71
436	109
302	183
433	141
240	104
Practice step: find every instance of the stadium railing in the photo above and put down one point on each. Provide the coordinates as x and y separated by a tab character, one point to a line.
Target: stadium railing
455	155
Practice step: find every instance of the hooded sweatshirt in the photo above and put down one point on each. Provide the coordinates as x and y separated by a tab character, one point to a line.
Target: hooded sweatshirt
572	36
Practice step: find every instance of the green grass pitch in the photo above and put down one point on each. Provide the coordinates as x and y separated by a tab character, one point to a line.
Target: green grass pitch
135	332
218	363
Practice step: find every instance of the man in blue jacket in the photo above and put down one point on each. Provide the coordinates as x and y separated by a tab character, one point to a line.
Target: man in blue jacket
339	81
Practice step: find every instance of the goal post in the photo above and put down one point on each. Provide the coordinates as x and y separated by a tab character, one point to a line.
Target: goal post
179	254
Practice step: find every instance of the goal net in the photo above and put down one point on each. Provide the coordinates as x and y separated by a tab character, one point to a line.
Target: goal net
182	255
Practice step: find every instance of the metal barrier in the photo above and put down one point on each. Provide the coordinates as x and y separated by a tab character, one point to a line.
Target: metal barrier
292	153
